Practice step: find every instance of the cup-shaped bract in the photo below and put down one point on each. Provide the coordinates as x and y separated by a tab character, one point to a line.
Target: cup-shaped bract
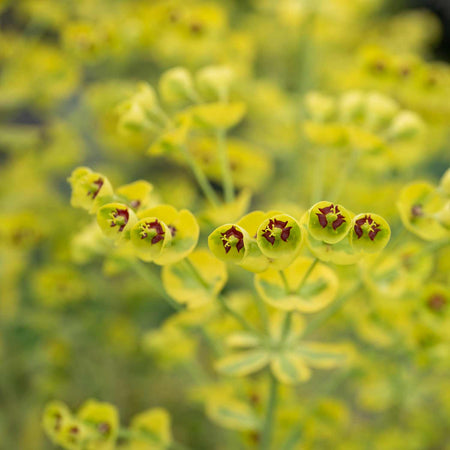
75	434
406	125
195	281
116	220
329	222
142	111
154	422
302	291
229	243
104	419
215	81
370	233
136	194
89	189
54	417
279	236
419	204
177	86
183	228
150	236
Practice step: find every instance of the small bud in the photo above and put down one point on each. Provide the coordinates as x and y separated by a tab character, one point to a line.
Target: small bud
329	222
406	125
351	105
89	189
115	220
370	233
142	111
380	110
319	106
176	86
215	81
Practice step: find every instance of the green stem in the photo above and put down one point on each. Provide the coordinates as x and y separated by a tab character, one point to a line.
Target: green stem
246	325
200	176
335	306
270	414
262	312
155	282
288	317
307	274
227	176
285	282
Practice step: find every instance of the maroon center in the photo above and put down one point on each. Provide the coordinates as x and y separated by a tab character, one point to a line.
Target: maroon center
124	215
374	227
274	223
155	225
232	232
94	192
331	209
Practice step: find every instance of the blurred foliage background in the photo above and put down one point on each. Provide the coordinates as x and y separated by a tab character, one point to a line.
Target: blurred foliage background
73	319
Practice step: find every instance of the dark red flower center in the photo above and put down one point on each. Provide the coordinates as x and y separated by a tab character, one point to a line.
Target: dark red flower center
436	302
96	186
104	428
368	224
416	210
272	226
336	218
153	229
232	236
120	218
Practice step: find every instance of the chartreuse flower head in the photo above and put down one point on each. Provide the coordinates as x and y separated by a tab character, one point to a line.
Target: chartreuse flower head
154	425
141	112
103	418
329	222
116	220
370	233
229	243
420	206
136	194
177	86
279	237
149	237
215	81
55	416
74	434
89	189
182	229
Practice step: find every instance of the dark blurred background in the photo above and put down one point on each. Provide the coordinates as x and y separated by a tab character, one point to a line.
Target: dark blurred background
442	10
